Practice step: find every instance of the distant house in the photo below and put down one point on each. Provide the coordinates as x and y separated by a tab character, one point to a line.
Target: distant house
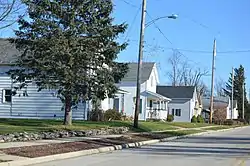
184	104
152	104
220	103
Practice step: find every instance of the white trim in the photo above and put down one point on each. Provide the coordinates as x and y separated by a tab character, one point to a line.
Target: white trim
3	96
154	95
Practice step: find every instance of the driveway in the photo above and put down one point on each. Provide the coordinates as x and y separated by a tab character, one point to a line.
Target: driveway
229	148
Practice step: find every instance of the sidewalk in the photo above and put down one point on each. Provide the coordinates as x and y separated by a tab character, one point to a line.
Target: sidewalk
67	140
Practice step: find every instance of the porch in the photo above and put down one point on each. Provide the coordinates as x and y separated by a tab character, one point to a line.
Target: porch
156	105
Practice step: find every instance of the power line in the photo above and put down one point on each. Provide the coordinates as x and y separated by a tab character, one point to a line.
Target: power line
195	51
159	29
133	22
130	4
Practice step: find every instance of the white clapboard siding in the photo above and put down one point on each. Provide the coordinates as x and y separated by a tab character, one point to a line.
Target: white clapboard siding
43	104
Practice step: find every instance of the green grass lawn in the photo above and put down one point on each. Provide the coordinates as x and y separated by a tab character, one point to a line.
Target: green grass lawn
221	127
189	125
36	125
182	132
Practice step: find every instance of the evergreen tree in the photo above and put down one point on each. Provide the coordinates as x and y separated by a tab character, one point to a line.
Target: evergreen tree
239	79
70	46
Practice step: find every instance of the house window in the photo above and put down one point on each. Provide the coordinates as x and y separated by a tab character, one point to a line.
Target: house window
7	96
177	112
173	112
150	103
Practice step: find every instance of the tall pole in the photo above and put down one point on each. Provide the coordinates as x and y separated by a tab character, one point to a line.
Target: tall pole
232	95
138	81
212	85
243	100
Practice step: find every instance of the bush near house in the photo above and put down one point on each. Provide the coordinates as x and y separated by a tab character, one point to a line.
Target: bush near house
200	119
112	114
220	116
170	118
96	115
194	119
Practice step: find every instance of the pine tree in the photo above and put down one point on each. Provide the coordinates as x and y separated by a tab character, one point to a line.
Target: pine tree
70	46
239	79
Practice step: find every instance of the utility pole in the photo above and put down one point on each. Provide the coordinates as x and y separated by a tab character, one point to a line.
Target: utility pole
243	100
139	68
212	84
232	97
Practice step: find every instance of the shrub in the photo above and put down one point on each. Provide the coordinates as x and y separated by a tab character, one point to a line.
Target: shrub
194	119
243	121
228	122
112	114
127	118
96	115
170	118
200	119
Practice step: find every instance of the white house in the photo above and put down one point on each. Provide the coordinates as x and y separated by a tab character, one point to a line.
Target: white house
29	103
184	104
152	105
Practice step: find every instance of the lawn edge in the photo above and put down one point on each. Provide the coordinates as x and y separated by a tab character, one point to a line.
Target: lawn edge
64	156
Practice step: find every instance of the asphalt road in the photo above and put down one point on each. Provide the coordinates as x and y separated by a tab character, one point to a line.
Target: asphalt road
229	148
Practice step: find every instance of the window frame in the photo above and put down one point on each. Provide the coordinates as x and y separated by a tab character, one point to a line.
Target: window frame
178	113
4	101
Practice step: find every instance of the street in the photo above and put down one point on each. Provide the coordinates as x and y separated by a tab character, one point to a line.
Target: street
229	148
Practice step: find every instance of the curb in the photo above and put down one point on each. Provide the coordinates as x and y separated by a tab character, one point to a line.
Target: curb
62	156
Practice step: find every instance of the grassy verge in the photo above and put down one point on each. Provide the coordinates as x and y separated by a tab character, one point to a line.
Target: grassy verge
37	125
221	127
181	132
190	125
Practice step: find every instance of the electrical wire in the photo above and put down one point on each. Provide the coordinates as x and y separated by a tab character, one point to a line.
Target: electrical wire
133	22
130	4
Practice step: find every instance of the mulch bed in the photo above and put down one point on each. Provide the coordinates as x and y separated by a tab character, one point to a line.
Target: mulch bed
51	149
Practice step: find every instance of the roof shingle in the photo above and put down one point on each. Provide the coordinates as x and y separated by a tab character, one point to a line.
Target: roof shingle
8	52
181	92
131	76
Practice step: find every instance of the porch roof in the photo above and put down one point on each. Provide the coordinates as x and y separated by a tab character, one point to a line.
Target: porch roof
154	95
120	91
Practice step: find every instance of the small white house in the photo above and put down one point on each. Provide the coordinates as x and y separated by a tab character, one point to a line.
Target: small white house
184	104
221	102
152	104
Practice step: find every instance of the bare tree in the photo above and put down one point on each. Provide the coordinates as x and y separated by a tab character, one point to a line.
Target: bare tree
183	73
219	86
10	10
175	74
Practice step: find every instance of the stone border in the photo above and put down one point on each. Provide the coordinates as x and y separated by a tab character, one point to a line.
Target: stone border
64	156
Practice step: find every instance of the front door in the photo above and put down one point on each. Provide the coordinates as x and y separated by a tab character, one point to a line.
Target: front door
116	104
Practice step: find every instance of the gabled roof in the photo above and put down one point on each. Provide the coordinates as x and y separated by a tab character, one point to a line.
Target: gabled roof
131	76
8	52
176	92
219	102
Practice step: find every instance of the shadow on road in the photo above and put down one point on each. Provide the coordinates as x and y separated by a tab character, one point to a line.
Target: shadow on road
199	146
216	140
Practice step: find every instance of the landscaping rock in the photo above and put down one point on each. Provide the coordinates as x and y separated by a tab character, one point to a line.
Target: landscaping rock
25	136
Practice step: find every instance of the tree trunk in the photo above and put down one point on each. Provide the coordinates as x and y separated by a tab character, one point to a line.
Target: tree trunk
68	112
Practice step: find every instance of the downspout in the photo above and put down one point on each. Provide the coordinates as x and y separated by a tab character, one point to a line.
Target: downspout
145	103
11	103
